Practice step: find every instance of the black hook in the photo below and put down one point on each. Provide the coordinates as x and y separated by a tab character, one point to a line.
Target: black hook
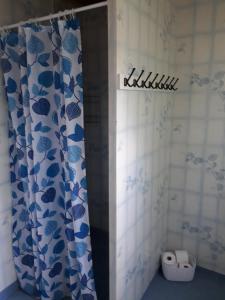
158	83
144	81
165	85
151	83
135	81
170	84
126	80
173	86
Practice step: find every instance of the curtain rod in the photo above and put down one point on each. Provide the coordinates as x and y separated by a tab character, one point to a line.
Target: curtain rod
54	16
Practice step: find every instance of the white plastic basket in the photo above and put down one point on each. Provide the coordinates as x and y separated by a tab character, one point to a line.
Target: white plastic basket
176	273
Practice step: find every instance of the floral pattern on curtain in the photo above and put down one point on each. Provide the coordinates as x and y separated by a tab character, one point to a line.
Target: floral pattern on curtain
51	235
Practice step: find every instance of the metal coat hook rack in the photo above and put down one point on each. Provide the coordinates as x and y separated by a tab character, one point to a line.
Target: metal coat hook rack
154	82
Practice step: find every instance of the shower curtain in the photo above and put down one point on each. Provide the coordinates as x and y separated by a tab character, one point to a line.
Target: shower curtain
51	240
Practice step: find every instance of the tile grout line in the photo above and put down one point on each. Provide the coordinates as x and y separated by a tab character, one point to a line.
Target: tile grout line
204	144
185	196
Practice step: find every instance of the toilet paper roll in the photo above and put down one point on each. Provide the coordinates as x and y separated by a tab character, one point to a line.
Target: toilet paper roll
169	258
181	256
185	266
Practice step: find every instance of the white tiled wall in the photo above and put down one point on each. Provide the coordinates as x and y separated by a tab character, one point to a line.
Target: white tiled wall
197	177
194	136
143	135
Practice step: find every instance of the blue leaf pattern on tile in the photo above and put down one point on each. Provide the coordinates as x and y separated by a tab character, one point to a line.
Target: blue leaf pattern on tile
215	83
212	167
216	247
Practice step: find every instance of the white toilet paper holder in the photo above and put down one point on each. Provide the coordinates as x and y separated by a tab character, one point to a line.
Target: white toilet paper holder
175	272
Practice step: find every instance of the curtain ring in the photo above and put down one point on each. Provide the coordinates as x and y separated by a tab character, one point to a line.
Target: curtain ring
36	24
4	31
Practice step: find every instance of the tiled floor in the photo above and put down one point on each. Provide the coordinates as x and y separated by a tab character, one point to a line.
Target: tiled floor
19	296
206	285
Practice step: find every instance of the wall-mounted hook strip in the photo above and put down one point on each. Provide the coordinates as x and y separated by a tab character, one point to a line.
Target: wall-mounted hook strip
164	82
136	81
143	85
151	83
126	80
165	85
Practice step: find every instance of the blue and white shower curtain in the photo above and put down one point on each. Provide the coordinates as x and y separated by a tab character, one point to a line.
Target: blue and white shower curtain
51	237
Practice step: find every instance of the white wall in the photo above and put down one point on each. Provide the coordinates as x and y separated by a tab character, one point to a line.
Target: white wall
197	178
143	138
187	38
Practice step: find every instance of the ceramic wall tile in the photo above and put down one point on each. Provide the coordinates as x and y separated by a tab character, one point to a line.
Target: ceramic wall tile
143	126
197	185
